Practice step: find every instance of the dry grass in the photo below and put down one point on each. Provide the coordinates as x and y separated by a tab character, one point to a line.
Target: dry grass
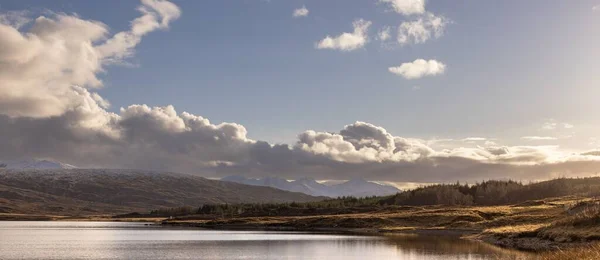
426	217
590	252
516	229
582	224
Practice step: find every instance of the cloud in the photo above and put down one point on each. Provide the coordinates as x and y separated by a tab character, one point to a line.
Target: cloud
596	8
384	33
538	138
40	68
300	12
419	68
591	153
474	139
156	14
551	124
347	41
15	19
422	29
406	7
49	109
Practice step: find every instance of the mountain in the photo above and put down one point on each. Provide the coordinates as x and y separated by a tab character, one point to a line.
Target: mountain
363	188
104	191
354	188
35	164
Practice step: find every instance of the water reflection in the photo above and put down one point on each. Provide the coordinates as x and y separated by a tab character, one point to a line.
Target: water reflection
106	240
450	247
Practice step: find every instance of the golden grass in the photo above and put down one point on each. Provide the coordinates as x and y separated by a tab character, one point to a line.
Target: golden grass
589	252
516	229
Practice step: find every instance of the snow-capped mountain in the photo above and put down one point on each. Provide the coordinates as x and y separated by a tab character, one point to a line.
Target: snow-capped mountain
35	164
363	188
354	188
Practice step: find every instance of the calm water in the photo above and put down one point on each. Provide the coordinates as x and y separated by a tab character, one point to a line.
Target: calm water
111	240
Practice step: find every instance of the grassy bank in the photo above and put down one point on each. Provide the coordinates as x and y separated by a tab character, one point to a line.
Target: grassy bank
587	252
538	225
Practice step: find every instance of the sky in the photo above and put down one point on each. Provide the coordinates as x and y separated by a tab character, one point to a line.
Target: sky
388	90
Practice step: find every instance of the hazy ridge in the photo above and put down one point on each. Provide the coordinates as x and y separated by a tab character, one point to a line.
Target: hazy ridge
352	188
102	191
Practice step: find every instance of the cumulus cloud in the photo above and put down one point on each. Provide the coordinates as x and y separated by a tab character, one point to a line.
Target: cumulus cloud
300	12
419	68
49	109
406	7
347	41
156	14
361	142
538	138
384	34
422	29
40	67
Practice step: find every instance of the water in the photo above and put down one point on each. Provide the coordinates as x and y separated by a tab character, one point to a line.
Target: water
114	240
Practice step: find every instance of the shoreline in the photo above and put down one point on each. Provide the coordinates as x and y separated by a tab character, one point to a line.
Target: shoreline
523	244
530	245
536	226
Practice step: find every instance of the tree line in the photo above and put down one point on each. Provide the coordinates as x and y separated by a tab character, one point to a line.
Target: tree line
483	193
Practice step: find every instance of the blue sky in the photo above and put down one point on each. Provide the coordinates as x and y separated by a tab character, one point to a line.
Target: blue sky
517	73
510	66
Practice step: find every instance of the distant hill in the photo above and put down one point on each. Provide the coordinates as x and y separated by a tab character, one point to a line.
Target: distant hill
103	191
35	164
354	188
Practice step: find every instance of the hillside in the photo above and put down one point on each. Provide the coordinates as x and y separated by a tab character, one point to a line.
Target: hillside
102	191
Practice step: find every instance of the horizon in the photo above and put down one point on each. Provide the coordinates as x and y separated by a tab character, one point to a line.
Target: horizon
430	92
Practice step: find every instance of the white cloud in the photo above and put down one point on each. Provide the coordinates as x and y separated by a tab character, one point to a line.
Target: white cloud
538	138
156	14
46	70
300	12
551	124
490	143
347	41
419	68
421	30
362	142
474	139
406	7
384	34
596	8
